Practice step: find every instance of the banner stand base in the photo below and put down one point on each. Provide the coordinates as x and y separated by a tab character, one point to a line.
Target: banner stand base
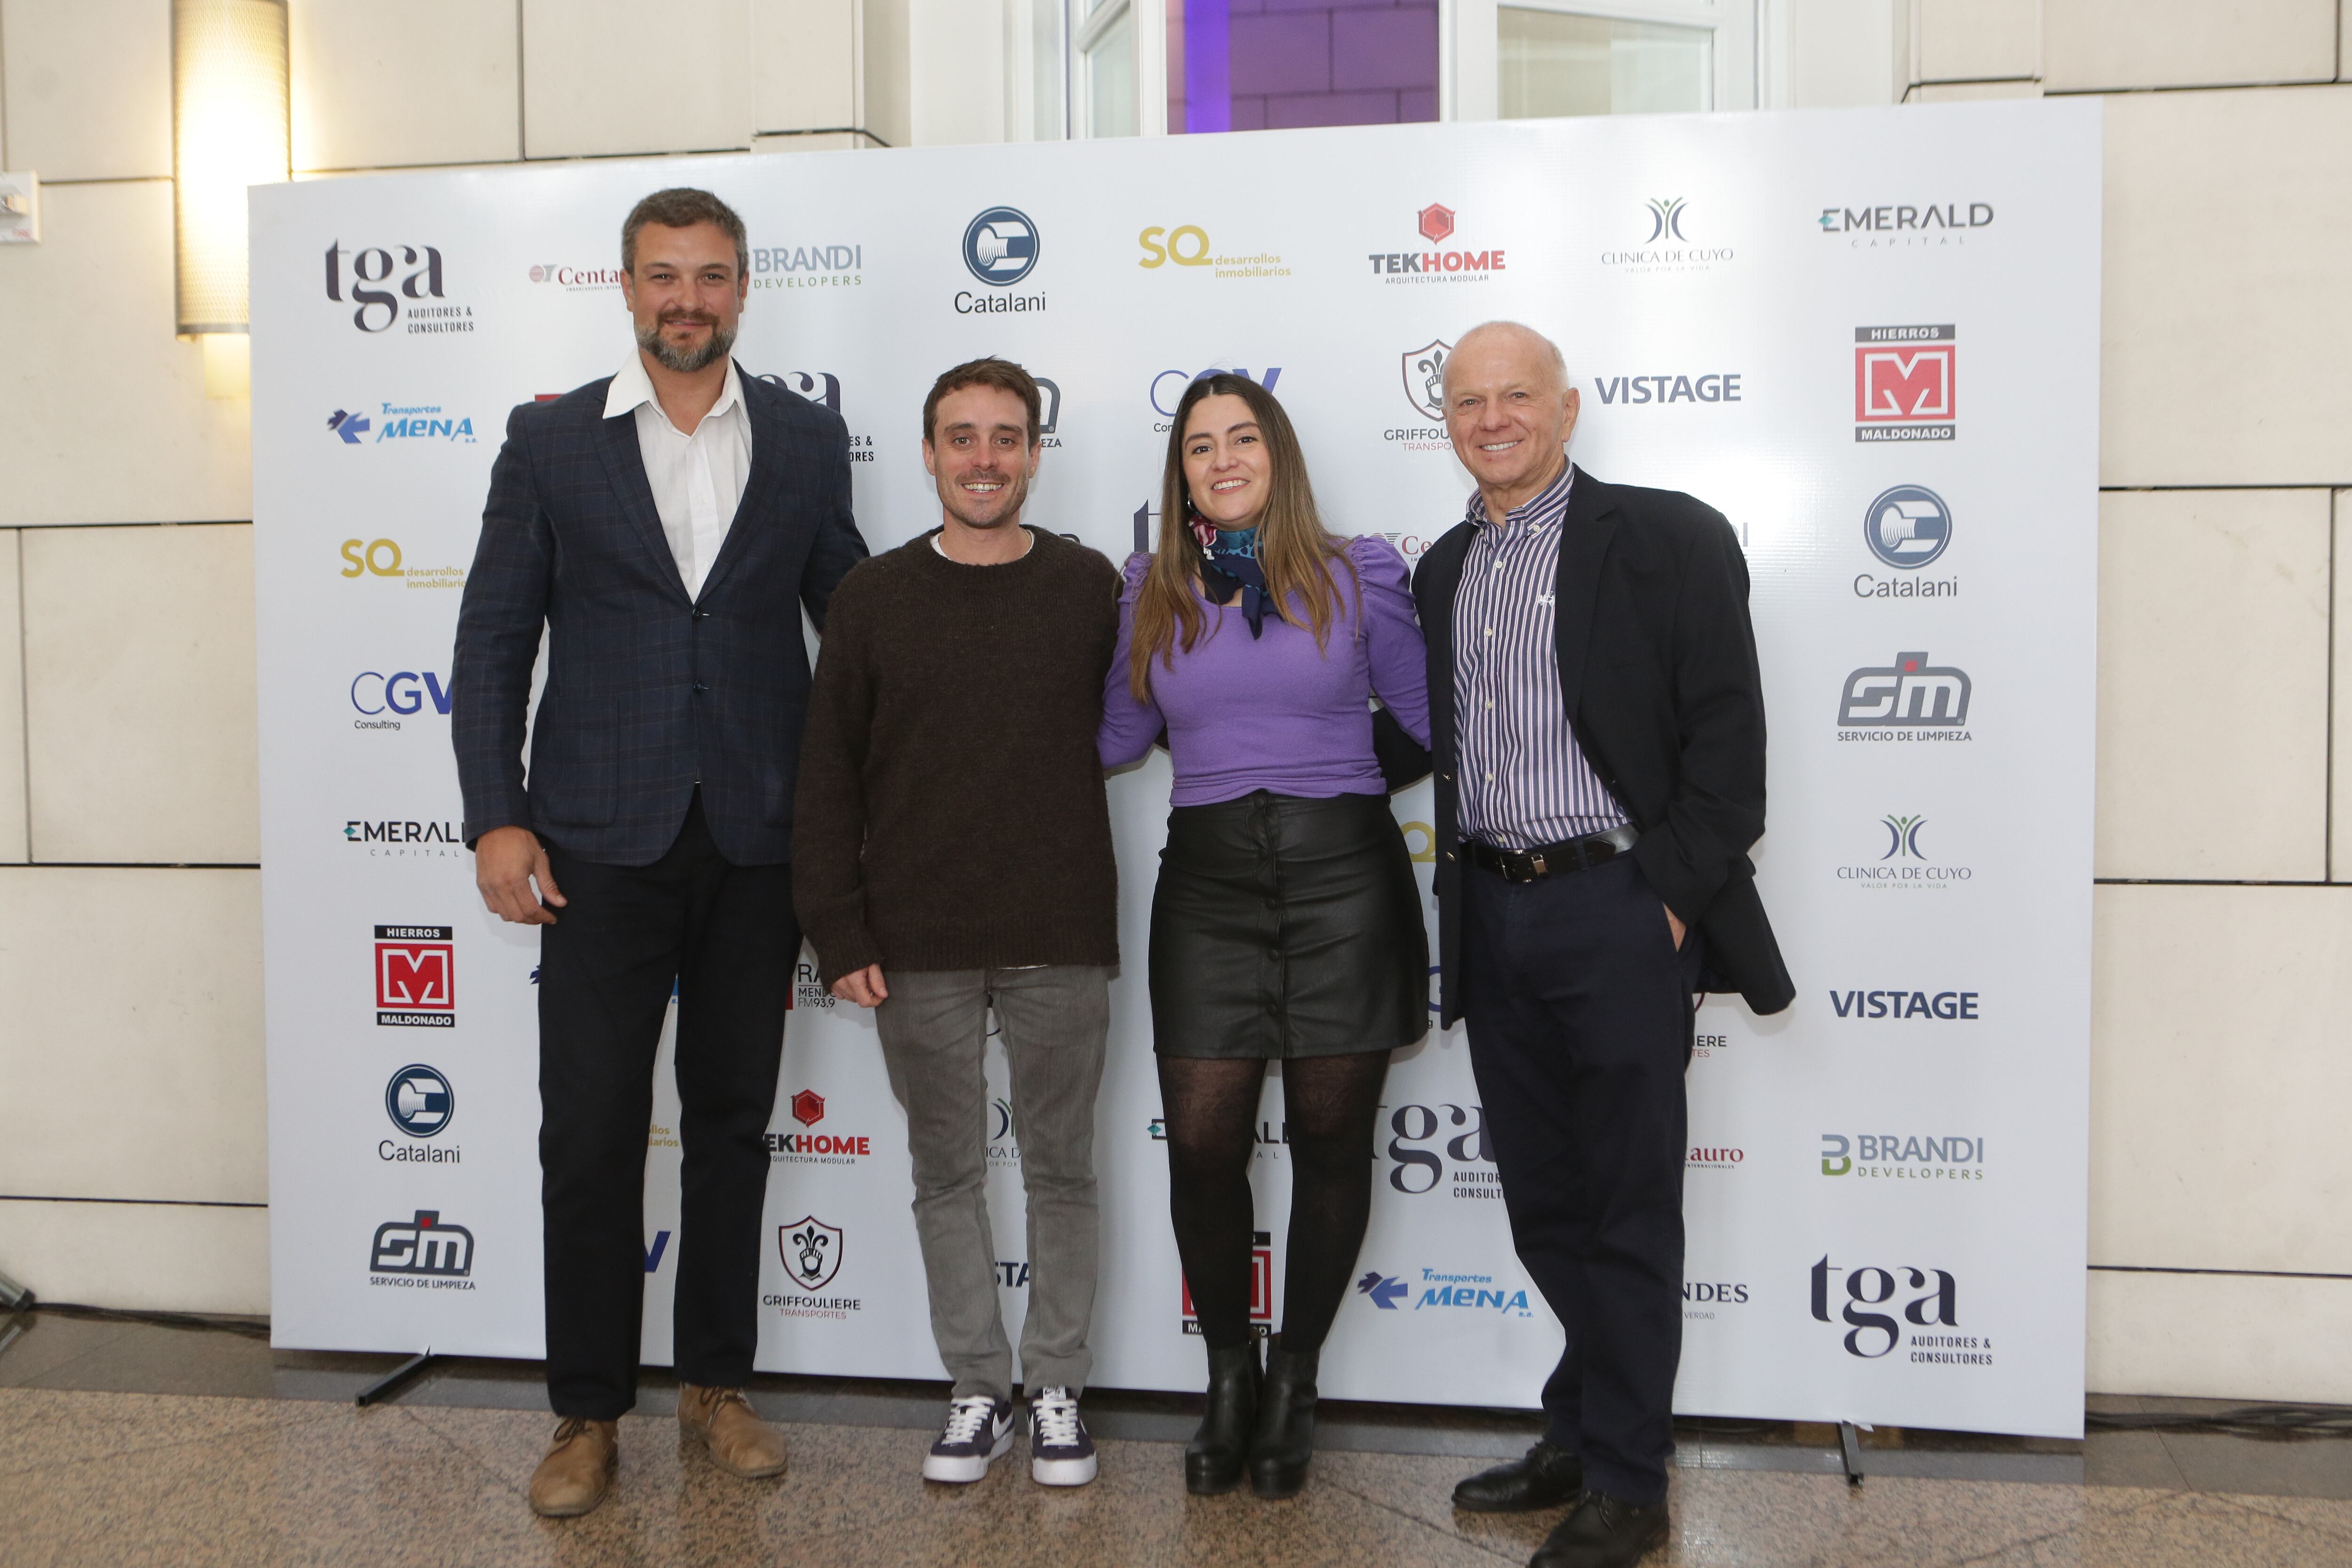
1849	1448
389	1381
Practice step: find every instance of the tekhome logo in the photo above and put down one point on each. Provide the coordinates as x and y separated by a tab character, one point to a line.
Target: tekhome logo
1187	246
386	284
1904	228
415	976
1167	390
402	422
1001	247
1907	528
1902	1157
807	1147
1905	382
422	1254
1914	1298
420	1103
1665	248
1442	1147
1441	265
1904	860
1909	699
1945	1006
808	267
387	839
1439	1289
1261	1299
1658	391
577	280
382	700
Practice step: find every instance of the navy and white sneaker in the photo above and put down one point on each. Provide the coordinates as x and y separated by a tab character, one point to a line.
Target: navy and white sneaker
1061	1450
978	1432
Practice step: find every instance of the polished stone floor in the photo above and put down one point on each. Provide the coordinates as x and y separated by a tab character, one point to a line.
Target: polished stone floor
127	1444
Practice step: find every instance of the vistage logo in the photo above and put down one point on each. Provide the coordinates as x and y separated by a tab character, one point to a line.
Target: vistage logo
419	280
1905	863
421	1253
1474	1292
1905	382
1900	226
815	1148
419	1100
1467	1161
1001	247
403	422
1665	248
404	692
1949	1007
1636	391
1012	1273
1167	390
1906	527
1909	699
1933	1303
579	279
808	267
1888	1156
1261	1299
415	983
1435	225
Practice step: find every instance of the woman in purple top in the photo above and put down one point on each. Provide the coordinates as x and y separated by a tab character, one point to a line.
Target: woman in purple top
1286	925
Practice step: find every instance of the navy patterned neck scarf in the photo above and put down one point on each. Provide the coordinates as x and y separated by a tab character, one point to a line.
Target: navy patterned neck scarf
1229	566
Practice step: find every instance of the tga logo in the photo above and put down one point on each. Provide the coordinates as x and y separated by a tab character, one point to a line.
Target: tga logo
1167	389
1261	1297
421	1253
1435	1145
1928	223
416	981
1474	1292
1904	861
1001	247
816	386
1907	528
403	422
1906	1156
815	1148
1929	1298
1435	223
420	1103
385	279
403	692
1909	699
1665	248
1957	1006
1905	382
1187	245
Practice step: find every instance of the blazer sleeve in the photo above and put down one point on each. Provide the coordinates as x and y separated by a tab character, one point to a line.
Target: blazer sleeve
499	621
839	546
829	802
1718	807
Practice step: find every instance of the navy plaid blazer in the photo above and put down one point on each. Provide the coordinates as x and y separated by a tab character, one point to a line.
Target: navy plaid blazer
648	693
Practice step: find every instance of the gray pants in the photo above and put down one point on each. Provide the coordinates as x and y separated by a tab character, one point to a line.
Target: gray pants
1053	1021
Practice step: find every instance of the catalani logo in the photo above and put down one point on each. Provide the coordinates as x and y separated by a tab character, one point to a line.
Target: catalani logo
422	1254
1914	1299
1905	382
402	422
1438	262
1665	248
1907	528
420	1103
387	284
1910	700
1001	247
1441	1288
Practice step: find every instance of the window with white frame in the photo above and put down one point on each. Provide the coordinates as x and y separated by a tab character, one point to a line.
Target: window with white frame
1622	56
1103	64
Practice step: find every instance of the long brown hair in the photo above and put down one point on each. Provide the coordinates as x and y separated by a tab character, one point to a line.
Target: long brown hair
1294	549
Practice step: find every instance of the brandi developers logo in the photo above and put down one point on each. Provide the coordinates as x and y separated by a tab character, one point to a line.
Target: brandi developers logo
1001	247
416	978
386	284
422	1254
1907	528
1905	382
1915	1300
1665	248
1902	1157
1906	227
808	267
1187	246
1909	699
1904	862
811	1254
1443	264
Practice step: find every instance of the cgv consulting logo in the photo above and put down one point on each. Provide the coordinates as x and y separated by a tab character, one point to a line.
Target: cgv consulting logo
387	284
1001	247
1909	699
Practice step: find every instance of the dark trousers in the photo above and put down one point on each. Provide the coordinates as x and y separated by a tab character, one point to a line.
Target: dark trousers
1578	1009
728	937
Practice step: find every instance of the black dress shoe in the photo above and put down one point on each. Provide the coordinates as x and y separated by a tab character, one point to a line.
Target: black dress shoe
1286	1424
1545	1477
1603	1532
1219	1452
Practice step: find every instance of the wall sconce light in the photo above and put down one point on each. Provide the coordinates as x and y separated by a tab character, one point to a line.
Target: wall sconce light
230	129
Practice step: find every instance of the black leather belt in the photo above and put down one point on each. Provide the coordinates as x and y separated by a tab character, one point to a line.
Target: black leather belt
1551	859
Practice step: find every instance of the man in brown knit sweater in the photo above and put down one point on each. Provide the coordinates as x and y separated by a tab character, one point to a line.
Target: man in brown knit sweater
951	852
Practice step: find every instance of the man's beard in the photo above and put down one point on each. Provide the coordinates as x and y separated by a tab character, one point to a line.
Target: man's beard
685	362
1017	482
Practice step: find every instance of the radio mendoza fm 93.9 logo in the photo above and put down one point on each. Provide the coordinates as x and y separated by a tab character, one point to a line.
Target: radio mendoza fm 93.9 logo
1907	528
1909	699
1001	247
416	979
420	1102
422	1254
1914	1299
1905	382
812	1255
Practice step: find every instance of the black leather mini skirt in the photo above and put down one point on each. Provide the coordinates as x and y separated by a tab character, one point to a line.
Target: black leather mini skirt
1287	927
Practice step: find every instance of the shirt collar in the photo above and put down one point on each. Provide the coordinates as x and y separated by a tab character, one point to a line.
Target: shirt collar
1542	510
632	388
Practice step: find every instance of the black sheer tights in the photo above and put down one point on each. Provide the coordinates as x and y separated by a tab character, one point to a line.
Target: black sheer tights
1211	1113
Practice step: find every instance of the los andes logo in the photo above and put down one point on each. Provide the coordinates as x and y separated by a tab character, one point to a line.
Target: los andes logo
1905	382
415	976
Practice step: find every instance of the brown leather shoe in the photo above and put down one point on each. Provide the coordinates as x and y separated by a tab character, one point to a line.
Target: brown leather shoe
740	1442
581	1464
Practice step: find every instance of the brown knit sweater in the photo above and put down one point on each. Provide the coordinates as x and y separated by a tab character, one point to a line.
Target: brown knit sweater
951	811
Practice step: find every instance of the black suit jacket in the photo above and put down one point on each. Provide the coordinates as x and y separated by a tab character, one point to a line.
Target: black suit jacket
647	692
1657	667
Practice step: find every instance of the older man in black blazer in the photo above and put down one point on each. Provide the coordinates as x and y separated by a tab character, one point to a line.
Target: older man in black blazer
664	527
1598	729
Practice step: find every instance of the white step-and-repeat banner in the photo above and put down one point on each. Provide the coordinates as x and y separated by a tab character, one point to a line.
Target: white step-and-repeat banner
1886	1183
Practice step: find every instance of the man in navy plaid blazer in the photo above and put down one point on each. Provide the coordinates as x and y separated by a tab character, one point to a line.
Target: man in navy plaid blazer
665	528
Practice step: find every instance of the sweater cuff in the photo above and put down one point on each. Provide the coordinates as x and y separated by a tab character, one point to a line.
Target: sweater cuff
844	952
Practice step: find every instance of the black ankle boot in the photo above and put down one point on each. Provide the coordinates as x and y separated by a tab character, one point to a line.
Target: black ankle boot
1286	1424
1219	1452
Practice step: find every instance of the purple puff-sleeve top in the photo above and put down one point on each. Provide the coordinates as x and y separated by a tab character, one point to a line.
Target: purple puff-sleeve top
1277	713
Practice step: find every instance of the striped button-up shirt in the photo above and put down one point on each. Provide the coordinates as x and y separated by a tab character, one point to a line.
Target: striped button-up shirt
1524	779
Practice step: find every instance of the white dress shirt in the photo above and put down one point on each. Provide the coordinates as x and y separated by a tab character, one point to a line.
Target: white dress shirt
697	478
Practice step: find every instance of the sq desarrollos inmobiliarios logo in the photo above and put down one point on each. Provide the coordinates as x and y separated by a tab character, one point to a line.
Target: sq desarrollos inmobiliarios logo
415	976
